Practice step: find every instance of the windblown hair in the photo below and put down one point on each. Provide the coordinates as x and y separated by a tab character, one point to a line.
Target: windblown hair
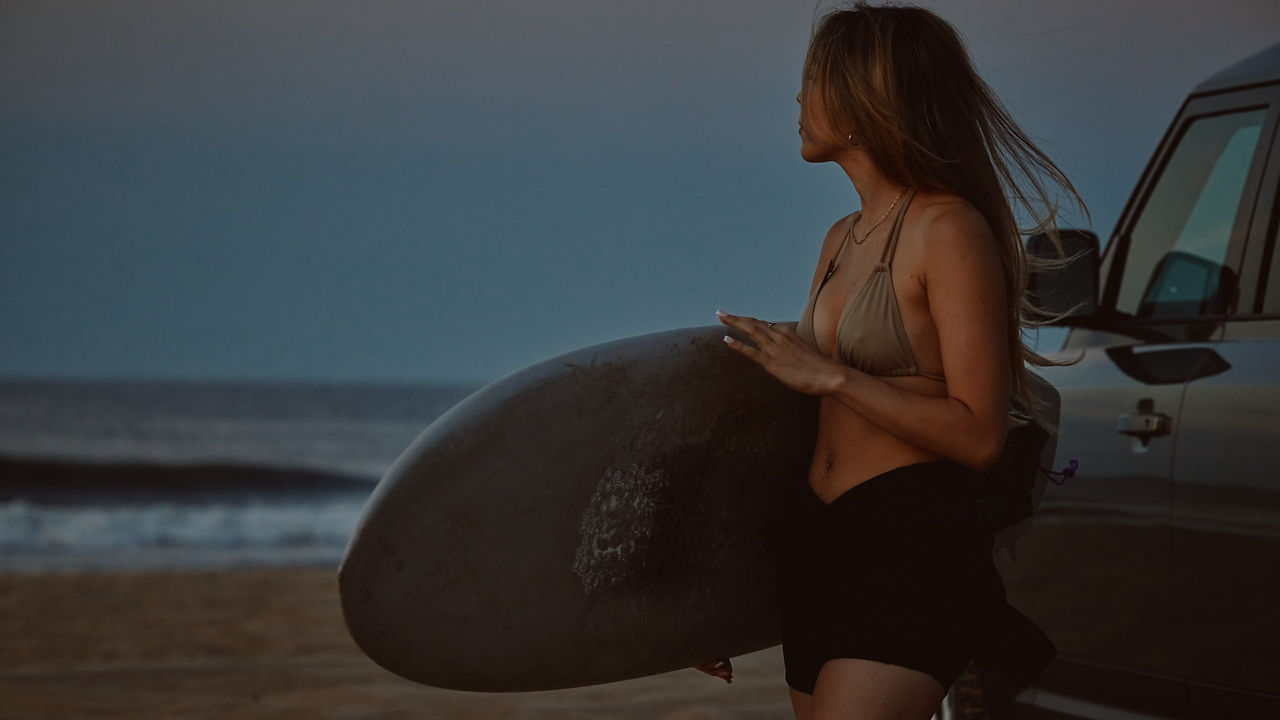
900	81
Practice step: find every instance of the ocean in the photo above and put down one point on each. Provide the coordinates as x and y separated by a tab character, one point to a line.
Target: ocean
166	475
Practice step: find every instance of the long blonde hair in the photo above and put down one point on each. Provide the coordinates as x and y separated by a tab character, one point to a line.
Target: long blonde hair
900	81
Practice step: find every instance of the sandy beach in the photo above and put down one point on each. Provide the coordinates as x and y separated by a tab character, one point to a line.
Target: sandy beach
270	643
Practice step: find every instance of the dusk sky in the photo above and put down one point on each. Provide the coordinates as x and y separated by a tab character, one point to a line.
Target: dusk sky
419	191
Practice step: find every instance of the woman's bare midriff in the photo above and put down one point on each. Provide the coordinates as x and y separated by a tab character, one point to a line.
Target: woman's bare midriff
851	450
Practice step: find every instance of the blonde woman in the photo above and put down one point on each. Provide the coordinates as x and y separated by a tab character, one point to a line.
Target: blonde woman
911	340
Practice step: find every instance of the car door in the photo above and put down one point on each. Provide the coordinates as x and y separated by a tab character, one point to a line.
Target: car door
1226	491
1096	570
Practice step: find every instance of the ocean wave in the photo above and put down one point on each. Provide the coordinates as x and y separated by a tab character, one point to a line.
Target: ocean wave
38	536
88	482
59	514
121	474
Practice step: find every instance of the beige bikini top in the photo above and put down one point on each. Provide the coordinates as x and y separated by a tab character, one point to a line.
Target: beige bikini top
869	334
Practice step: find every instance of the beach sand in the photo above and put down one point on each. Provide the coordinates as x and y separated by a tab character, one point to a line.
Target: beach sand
270	643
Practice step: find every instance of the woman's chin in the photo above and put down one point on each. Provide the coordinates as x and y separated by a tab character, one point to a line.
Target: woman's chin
814	155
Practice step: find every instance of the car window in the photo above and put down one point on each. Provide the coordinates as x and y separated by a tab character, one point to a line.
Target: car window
1174	266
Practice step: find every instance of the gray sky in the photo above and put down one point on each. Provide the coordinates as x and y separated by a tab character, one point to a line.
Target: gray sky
454	190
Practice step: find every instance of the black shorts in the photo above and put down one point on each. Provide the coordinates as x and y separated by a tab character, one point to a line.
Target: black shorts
896	570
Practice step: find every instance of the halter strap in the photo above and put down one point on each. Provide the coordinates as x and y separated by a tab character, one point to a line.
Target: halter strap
891	247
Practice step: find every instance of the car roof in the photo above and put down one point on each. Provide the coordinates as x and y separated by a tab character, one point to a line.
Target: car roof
1260	68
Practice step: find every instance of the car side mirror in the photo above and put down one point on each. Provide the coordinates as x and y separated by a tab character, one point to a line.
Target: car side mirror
1187	285
1070	291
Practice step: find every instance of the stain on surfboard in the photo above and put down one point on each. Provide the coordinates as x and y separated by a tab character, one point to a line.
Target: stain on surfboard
617	526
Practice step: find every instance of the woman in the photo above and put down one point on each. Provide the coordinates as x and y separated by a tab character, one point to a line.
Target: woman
911	338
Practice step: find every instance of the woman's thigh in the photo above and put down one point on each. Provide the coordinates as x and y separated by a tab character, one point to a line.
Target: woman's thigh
801	703
849	688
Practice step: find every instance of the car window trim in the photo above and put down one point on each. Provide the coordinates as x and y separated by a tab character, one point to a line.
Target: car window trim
1260	256
1116	253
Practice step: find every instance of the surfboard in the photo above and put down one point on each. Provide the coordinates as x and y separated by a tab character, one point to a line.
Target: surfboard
607	514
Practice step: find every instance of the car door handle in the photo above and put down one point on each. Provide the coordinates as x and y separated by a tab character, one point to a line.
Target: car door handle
1144	424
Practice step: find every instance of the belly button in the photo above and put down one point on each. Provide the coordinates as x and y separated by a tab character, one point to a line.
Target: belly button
828	454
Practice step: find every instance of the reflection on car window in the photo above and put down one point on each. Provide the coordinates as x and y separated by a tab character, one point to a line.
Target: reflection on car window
1178	244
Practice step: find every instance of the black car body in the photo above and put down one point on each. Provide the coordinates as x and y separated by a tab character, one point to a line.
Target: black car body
1156	569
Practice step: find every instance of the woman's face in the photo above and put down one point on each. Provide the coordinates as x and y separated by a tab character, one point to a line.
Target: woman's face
818	142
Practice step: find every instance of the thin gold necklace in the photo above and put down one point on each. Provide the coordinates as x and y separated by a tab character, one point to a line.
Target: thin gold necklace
892	205
831	266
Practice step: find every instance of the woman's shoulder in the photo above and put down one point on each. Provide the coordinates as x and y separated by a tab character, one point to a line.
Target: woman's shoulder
840	227
830	246
835	234
948	218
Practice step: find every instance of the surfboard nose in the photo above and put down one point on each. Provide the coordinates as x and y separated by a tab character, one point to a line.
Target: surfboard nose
357	578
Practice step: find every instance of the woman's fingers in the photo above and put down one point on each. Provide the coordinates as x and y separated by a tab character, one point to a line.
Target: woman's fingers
779	350
744	349
757	330
742	322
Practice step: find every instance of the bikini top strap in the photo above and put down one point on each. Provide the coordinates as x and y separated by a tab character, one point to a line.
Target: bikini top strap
831	264
857	215
891	247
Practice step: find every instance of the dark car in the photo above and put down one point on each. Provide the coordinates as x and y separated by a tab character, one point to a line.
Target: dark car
1156	569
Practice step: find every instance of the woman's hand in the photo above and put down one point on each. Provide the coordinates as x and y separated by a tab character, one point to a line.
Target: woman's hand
720	667
781	352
